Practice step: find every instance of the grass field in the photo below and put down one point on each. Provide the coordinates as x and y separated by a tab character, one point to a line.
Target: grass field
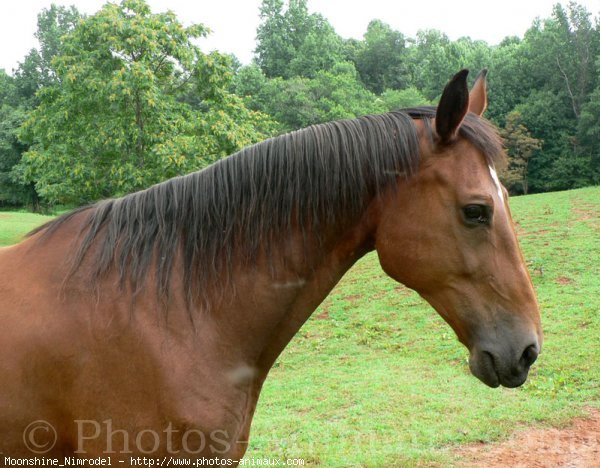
13	225
376	378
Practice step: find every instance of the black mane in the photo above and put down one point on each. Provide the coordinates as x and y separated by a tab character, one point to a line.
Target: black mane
322	175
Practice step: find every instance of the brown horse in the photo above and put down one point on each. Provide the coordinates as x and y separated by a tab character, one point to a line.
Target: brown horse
148	324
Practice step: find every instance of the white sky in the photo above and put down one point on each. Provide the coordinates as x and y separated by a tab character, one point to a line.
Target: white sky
234	22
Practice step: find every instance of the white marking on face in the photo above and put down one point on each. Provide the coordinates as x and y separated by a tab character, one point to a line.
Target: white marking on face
497	183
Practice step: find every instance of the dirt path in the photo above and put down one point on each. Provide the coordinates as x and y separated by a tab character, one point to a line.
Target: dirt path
576	445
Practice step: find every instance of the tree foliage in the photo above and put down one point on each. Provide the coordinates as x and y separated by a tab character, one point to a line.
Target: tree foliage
395	99
381	58
37	70
520	147
18	96
299	101
589	135
11	118
117	120
293	42
554	82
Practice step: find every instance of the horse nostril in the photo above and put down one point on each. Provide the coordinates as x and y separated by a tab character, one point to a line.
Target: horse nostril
529	355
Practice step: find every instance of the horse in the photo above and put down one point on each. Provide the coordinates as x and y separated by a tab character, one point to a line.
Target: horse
147	324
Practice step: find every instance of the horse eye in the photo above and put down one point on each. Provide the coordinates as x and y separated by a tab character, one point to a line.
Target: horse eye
476	214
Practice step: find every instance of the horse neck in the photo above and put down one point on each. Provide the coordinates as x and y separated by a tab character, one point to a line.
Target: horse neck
284	295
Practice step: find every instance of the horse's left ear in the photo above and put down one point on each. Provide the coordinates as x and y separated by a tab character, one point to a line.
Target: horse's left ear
478	94
453	107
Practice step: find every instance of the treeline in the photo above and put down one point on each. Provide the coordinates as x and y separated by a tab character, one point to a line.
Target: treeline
114	102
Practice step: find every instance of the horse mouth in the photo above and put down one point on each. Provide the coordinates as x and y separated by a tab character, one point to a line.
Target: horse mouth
485	367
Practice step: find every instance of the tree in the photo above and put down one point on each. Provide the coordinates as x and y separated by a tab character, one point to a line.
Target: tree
432	61
37	70
18	96
340	94
589	135
549	78
395	99
294	42
547	116
250	82
274	51
520	147
381	58
299	102
509	80
320	50
11	118
120	116
574	51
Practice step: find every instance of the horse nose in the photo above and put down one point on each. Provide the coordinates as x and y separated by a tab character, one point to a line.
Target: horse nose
502	364
516	374
529	356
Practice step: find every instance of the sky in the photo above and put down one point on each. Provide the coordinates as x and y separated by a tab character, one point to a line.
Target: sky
234	22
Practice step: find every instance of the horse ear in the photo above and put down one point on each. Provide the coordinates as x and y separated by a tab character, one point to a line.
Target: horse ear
478	94
453	107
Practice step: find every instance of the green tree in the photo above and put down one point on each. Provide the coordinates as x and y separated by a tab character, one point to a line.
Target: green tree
589	135
18	96
298	102
250	82
554	77
120	116
433	59
520	147
320	50
274	49
395	99
509	81
547	116
381	58
37	70
340	94
294	42
11	118
574	52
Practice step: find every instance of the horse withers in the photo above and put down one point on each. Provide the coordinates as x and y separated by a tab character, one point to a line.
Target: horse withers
147	324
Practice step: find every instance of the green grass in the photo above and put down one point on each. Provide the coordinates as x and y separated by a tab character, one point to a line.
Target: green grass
14	225
376	378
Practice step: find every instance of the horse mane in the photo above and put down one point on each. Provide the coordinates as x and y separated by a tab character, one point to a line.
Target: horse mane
323	175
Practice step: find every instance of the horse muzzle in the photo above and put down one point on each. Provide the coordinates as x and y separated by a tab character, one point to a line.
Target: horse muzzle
505	364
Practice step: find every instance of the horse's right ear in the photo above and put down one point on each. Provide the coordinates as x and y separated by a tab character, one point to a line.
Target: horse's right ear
453	107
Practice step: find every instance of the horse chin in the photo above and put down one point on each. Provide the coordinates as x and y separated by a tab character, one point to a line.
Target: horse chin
483	365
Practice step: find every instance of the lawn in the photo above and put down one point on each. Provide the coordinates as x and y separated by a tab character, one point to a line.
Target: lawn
376	378
14	225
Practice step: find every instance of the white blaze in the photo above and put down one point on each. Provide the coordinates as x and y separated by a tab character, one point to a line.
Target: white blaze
497	183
